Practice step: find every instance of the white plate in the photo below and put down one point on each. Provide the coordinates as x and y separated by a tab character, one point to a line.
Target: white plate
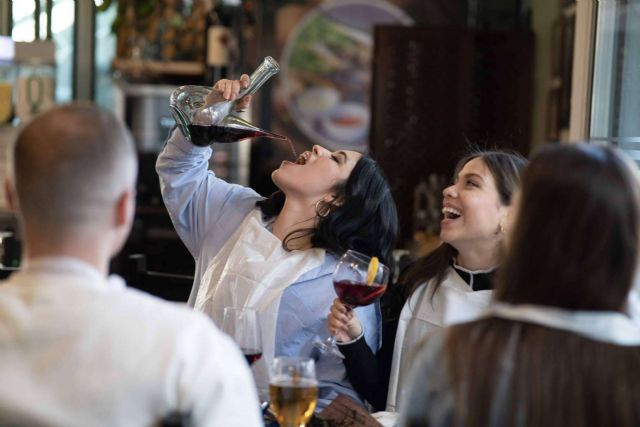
333	109
347	123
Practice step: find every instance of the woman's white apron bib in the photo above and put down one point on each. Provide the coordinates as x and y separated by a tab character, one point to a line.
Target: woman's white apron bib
252	269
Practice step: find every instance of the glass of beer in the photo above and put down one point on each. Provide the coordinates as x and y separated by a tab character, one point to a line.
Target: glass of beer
293	390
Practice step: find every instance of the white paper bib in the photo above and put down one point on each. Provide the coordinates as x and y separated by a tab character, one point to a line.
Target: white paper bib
606	326
252	269
454	302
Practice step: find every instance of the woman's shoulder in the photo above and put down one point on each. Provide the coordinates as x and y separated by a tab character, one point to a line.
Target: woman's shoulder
428	286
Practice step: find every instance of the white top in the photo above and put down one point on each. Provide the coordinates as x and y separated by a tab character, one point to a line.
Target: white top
431	397
454	302
253	270
77	349
610	327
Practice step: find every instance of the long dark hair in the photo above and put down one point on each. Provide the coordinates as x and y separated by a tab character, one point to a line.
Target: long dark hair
575	245
505	167
362	217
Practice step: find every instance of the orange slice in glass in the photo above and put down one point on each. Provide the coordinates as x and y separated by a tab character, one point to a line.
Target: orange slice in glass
372	271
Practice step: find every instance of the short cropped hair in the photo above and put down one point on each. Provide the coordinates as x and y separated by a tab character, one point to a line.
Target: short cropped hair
71	163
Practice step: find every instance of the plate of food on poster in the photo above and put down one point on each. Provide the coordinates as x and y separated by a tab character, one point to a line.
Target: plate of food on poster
326	73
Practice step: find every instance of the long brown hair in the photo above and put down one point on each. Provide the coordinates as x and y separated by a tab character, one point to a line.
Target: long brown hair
505	167
575	246
556	378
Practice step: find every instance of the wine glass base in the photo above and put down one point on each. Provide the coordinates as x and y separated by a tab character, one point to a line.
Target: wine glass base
328	348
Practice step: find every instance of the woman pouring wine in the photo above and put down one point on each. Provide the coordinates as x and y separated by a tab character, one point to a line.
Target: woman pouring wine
277	255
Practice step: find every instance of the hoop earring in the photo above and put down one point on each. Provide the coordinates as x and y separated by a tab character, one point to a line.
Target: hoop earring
322	211
504	218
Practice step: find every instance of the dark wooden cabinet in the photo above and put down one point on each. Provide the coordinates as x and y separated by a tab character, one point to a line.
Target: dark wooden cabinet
154	238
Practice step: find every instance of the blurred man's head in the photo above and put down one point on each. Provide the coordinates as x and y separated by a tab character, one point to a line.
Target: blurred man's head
75	170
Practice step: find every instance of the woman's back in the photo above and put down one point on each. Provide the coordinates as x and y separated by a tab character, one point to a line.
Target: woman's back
530	375
498	372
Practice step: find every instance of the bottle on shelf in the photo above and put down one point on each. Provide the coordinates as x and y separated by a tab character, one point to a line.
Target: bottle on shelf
7	79
223	40
35	91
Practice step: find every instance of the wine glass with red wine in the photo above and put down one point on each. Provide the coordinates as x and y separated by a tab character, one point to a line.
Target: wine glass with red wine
241	323
358	281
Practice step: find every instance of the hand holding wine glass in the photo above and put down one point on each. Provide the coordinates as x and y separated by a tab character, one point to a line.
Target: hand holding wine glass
358	281
242	324
342	322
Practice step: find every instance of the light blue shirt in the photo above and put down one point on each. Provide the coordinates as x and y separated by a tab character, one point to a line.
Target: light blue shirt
206	211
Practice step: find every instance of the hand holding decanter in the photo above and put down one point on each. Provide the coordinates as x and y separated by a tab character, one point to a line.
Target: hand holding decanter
205	117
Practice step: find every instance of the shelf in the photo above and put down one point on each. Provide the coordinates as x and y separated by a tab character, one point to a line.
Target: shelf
158	67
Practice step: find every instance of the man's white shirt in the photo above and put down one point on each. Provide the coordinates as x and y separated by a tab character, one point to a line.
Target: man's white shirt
78	349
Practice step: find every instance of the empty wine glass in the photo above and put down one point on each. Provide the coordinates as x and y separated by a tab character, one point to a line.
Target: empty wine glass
293	390
242	324
358	281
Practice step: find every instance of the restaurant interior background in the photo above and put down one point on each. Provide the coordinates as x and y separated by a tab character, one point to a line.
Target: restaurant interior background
412	82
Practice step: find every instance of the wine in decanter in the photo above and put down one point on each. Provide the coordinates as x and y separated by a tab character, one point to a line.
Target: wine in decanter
204	124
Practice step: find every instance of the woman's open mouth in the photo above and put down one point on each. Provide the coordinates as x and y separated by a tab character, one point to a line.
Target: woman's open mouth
302	158
451	213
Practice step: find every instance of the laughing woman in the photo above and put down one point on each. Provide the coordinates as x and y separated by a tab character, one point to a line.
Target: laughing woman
277	255
450	285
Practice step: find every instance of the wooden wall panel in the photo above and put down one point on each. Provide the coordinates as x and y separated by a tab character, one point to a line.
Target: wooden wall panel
437	89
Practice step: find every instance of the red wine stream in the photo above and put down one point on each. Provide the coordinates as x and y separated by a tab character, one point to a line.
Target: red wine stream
203	136
293	149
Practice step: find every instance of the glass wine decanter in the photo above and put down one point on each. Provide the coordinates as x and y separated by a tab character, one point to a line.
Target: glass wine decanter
204	124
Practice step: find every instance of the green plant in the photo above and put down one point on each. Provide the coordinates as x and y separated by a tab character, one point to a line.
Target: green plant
142	9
